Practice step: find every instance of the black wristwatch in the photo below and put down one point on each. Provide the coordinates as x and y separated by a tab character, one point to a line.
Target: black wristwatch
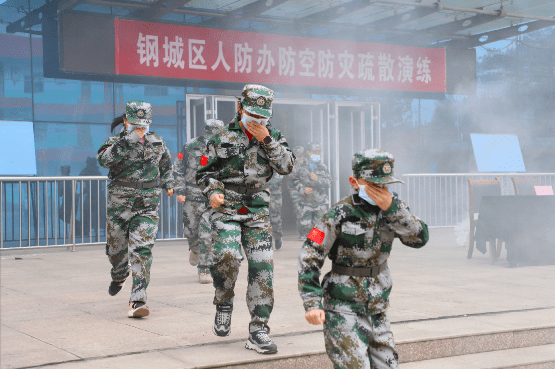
267	140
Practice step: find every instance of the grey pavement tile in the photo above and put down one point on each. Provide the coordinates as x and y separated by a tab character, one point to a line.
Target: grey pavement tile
19	350
90	336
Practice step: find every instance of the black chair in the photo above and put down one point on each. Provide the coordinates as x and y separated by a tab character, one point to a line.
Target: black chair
476	190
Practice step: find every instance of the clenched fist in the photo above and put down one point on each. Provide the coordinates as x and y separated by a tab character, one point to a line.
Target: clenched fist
216	200
315	316
308	191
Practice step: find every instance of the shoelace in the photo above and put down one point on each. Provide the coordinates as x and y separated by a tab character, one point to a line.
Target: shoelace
263	336
223	318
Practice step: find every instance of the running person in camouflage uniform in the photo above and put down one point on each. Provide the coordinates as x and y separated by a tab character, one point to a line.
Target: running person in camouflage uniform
239	161
187	191
276	201
357	234
136	159
292	187
312	180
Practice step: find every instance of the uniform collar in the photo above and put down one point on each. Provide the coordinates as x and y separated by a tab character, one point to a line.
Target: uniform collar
235	125
363	205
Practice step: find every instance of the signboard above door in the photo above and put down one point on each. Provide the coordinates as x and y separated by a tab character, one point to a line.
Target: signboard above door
99	47
174	51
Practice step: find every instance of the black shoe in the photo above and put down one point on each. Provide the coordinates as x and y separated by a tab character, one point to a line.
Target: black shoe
278	242
222	321
261	342
115	287
138	310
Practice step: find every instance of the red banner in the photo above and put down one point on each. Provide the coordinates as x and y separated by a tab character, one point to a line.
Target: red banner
172	51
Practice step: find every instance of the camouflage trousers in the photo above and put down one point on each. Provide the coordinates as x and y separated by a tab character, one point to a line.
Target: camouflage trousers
310	214
131	233
275	214
251	232
360	342
197	231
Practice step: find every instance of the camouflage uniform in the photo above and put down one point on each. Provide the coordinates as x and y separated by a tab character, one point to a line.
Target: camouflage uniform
275	205
132	213
291	186
313	205
185	170
354	233
231	160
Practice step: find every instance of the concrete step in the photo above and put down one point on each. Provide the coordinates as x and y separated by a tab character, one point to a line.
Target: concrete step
527	337
536	357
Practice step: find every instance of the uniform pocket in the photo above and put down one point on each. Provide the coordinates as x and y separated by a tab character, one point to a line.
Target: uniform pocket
228	152
354	228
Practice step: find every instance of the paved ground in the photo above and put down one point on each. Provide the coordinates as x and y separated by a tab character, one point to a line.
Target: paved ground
55	306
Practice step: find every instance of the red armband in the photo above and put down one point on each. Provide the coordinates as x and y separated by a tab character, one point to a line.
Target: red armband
203	160
180	156
316	235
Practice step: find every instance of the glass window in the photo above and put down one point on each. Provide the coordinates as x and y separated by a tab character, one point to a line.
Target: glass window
15	65
60	144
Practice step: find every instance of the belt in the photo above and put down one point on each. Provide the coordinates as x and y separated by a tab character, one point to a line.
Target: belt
359	271
240	189
137	185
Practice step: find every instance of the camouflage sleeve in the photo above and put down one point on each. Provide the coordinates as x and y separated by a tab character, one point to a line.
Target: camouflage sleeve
207	175
166	176
116	149
407	227
280	155
179	168
312	256
325	180
303	179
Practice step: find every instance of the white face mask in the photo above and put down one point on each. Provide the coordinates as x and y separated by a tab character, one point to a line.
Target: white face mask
247	118
363	195
131	128
315	158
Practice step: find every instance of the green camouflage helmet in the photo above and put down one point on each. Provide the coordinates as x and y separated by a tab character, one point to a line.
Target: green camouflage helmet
375	165
211	124
314	146
139	113
257	100
298	151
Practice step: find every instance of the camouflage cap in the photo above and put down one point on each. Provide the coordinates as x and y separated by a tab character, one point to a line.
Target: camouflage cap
212	124
298	150
257	100
314	146
139	113
375	165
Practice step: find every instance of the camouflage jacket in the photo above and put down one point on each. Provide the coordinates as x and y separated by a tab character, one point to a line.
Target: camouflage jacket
232	159
131	161
355	234
185	168
302	181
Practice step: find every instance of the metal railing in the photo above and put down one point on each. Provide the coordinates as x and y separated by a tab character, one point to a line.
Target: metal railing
441	200
65	212
41	212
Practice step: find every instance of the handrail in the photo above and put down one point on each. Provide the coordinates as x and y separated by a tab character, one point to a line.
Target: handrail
66	211
476	174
